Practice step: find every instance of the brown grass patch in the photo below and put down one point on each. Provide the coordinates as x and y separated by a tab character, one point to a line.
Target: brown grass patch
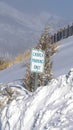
7	63
4	64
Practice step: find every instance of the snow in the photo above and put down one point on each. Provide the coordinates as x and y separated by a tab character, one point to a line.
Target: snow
63	60
21	31
48	108
13	73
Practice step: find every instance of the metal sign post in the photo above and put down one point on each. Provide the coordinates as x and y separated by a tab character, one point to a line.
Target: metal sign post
36	81
37	64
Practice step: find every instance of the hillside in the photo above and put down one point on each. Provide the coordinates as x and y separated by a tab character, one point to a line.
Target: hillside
49	107
20	31
62	62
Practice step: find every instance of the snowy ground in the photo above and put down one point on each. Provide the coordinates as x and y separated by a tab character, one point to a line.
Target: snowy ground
48	108
63	60
13	73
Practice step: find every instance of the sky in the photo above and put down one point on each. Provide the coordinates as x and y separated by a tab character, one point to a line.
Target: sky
62	8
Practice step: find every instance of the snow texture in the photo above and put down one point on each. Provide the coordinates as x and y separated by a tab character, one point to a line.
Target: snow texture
48	108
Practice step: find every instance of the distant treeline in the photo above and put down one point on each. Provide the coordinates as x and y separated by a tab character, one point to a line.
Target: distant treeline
62	33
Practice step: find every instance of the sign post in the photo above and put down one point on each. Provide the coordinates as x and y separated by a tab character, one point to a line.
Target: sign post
37	63
36	82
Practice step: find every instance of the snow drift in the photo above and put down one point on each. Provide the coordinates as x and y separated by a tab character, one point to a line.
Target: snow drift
48	108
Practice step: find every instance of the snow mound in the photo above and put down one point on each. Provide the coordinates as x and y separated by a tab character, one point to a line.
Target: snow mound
48	108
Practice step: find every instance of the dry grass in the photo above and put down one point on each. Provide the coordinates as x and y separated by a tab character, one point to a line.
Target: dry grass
4	64
21	57
55	47
7	63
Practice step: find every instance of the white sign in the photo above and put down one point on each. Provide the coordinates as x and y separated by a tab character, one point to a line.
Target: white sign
37	61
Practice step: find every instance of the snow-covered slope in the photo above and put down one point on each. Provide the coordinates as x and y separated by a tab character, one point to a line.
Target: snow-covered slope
20	31
63	59
13	73
49	108
62	62
16	31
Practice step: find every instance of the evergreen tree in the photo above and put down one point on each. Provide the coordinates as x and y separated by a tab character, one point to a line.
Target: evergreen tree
45	45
